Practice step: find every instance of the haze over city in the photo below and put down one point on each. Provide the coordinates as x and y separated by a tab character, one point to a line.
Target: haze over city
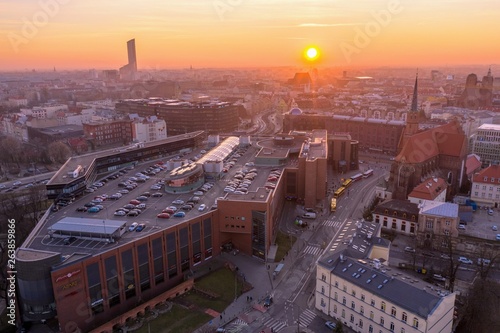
222	33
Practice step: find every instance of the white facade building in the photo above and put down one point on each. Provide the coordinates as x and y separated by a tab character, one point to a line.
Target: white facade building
149	129
367	299
485	188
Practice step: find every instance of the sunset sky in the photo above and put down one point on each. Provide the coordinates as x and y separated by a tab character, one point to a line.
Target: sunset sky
82	34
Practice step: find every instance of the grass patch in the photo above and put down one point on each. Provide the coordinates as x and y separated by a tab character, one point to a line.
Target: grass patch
177	320
221	282
285	243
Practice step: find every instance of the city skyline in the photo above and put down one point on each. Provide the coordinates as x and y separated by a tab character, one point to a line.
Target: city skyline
221	33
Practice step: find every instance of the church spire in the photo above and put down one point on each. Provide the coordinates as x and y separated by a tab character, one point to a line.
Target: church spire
414	101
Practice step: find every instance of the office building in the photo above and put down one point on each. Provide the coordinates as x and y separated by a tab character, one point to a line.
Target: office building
130	69
486	144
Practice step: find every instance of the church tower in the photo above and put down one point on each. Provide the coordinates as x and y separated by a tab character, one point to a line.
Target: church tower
412	118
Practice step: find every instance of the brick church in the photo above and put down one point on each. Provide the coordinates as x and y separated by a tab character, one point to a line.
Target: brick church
436	152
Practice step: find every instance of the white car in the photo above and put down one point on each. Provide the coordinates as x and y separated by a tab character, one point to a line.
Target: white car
409	249
120	213
202	207
178	202
133	226
464	260
198	193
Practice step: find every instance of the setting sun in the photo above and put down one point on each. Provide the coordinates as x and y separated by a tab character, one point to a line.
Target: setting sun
312	53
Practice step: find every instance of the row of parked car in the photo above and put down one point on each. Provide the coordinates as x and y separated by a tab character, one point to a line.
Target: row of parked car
241	181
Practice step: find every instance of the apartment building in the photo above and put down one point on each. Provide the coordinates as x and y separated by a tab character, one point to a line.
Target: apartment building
486	144
486	186
364	296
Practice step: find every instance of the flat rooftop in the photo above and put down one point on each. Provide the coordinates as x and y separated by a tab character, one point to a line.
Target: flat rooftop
40	242
61	176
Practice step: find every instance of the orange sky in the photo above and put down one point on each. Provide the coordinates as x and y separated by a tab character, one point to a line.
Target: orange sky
72	34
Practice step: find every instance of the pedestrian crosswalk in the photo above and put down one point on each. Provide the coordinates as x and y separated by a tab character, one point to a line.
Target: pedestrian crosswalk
306	318
236	326
274	324
314	250
332	223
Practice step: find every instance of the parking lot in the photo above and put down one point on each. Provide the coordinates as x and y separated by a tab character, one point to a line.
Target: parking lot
156	201
482	224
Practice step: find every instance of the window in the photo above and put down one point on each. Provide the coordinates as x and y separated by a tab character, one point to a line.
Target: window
353	292
393	311
335	309
382	306
343	313
323	289
362	310
362	297
360	323
446	232
344	288
353	306
335	296
336	284
352	318
391	327
402	330
372	302
323	277
371	315
429	224
404	215
323	302
448	222
415	322
370	329
344	301
382	321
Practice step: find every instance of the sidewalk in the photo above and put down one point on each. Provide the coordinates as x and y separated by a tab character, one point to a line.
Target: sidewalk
255	272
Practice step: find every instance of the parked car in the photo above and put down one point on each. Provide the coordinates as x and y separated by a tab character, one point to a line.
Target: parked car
120	213
202	207
494	228
331	325
438	277
409	249
133	226
140	227
142	198
157	194
268	301
133	213
465	260
490	211
134	202
178	202
81	209
444	256
180	214
93	209
69	240
498	237
163	216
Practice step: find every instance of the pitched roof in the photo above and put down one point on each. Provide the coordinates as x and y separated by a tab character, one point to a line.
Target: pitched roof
438	208
493	171
422	302
400	206
429	189
447	139
472	163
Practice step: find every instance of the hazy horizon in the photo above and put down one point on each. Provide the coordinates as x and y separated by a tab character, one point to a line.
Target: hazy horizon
72	35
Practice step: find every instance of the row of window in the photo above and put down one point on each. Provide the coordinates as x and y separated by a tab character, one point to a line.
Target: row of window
404	317
483	195
484	187
383	306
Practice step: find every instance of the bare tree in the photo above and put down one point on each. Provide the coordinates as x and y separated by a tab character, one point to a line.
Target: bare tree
58	152
452	264
481	310
488	256
10	150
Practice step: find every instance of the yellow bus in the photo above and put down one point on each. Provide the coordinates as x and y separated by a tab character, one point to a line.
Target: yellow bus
333	205
339	192
347	182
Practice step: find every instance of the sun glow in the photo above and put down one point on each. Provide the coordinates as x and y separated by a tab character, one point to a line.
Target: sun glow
311	54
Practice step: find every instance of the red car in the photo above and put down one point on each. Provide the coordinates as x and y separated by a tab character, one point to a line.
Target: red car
168	211
163	216
135	202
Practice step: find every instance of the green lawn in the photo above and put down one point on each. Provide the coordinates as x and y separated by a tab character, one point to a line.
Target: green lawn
177	320
182	320
285	243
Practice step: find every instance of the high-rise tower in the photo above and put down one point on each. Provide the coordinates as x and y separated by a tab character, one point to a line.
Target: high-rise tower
128	71
132	60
